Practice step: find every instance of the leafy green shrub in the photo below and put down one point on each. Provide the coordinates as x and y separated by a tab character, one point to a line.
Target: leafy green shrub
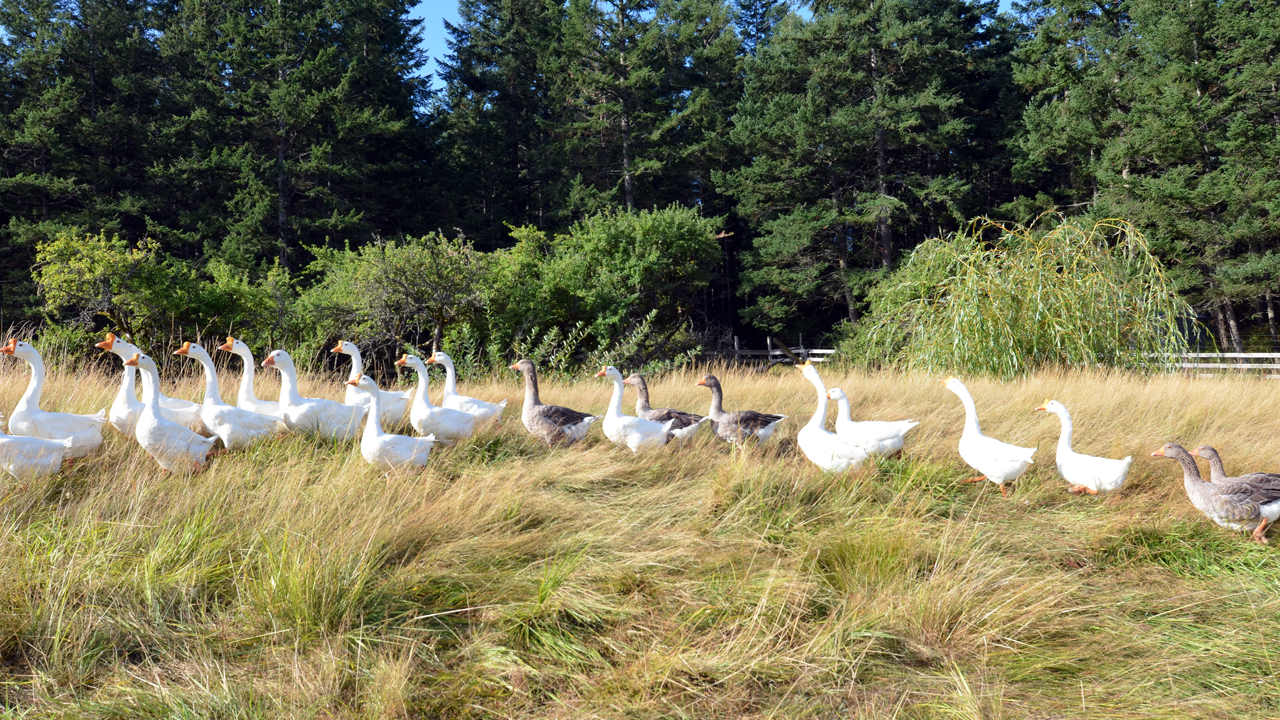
1003	300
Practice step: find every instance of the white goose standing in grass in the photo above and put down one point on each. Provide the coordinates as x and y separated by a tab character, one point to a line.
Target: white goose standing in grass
174	447
636	433
32	458
127	408
381	448
236	426
246	398
878	437
447	425
999	462
326	418
1086	473
29	420
452	400
824	448
393	402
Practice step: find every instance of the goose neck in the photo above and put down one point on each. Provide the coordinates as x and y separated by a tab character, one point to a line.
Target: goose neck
31	398
819	419
421	396
1217	471
1064	440
246	392
451	377
212	395
357	364
842	406
530	387
615	400
373	428
717	402
1190	473
126	393
151	389
642	397
289	385
970	412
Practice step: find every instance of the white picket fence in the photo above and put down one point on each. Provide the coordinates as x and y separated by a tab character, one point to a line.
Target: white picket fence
775	354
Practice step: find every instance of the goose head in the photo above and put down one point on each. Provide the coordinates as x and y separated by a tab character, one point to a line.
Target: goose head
836	394
441	358
808	370
233	345
278	359
365	384
142	362
192	350
1171	450
19	349
524	365
610	372
108	343
1206	452
709	381
954	385
346	348
411	361
1052	406
634	379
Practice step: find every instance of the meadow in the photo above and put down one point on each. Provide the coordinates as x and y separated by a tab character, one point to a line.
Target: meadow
510	580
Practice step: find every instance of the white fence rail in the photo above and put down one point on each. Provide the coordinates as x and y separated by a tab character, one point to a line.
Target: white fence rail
1226	361
775	354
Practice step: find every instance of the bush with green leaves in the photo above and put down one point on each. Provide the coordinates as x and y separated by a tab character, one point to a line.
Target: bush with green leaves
1003	300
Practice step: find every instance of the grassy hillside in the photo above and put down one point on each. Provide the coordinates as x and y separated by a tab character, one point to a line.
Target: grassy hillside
509	580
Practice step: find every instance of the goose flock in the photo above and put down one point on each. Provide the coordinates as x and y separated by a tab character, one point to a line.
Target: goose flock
180	435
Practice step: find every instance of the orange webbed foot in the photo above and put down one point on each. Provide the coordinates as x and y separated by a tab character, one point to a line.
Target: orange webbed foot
980	478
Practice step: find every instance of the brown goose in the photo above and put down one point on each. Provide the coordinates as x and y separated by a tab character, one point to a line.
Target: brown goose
685	423
552	424
1218	472
1233	505
736	427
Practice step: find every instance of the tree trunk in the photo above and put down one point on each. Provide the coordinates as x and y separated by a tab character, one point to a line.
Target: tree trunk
1230	312
842	248
1271	320
437	337
884	232
627	190
1221	326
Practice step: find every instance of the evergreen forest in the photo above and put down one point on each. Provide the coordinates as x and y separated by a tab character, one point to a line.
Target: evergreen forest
587	177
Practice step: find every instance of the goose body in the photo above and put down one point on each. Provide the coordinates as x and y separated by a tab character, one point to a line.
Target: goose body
174	447
1232	505
826	449
382	449
32	458
236	426
1218	472
325	418
636	433
737	427
684	425
552	424
999	462
392	402
1086	473
126	408
878	437
246	398
447	425
28	420
451	399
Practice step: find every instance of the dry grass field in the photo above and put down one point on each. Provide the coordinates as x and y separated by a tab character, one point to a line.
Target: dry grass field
509	580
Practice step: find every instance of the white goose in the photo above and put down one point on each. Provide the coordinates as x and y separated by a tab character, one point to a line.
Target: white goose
173	446
236	426
394	402
1086	473
447	425
878	437
636	433
326	418
29	420
998	462
245	397
452	400
127	408
824	448
31	458
385	450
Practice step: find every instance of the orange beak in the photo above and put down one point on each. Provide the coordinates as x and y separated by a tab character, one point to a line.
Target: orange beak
338	347
603	371
703	383
404	360
1195	452
133	361
229	345
354	383
185	349
1158	453
431	361
8	349
512	366
629	381
106	344
269	362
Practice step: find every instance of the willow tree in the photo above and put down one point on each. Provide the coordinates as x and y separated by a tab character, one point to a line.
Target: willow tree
1003	300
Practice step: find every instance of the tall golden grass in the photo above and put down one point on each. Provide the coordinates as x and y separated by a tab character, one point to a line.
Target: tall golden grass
510	580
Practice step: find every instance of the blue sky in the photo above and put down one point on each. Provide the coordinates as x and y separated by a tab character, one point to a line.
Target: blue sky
435	12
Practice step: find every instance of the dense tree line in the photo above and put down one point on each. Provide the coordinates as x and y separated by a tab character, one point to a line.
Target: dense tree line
820	143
